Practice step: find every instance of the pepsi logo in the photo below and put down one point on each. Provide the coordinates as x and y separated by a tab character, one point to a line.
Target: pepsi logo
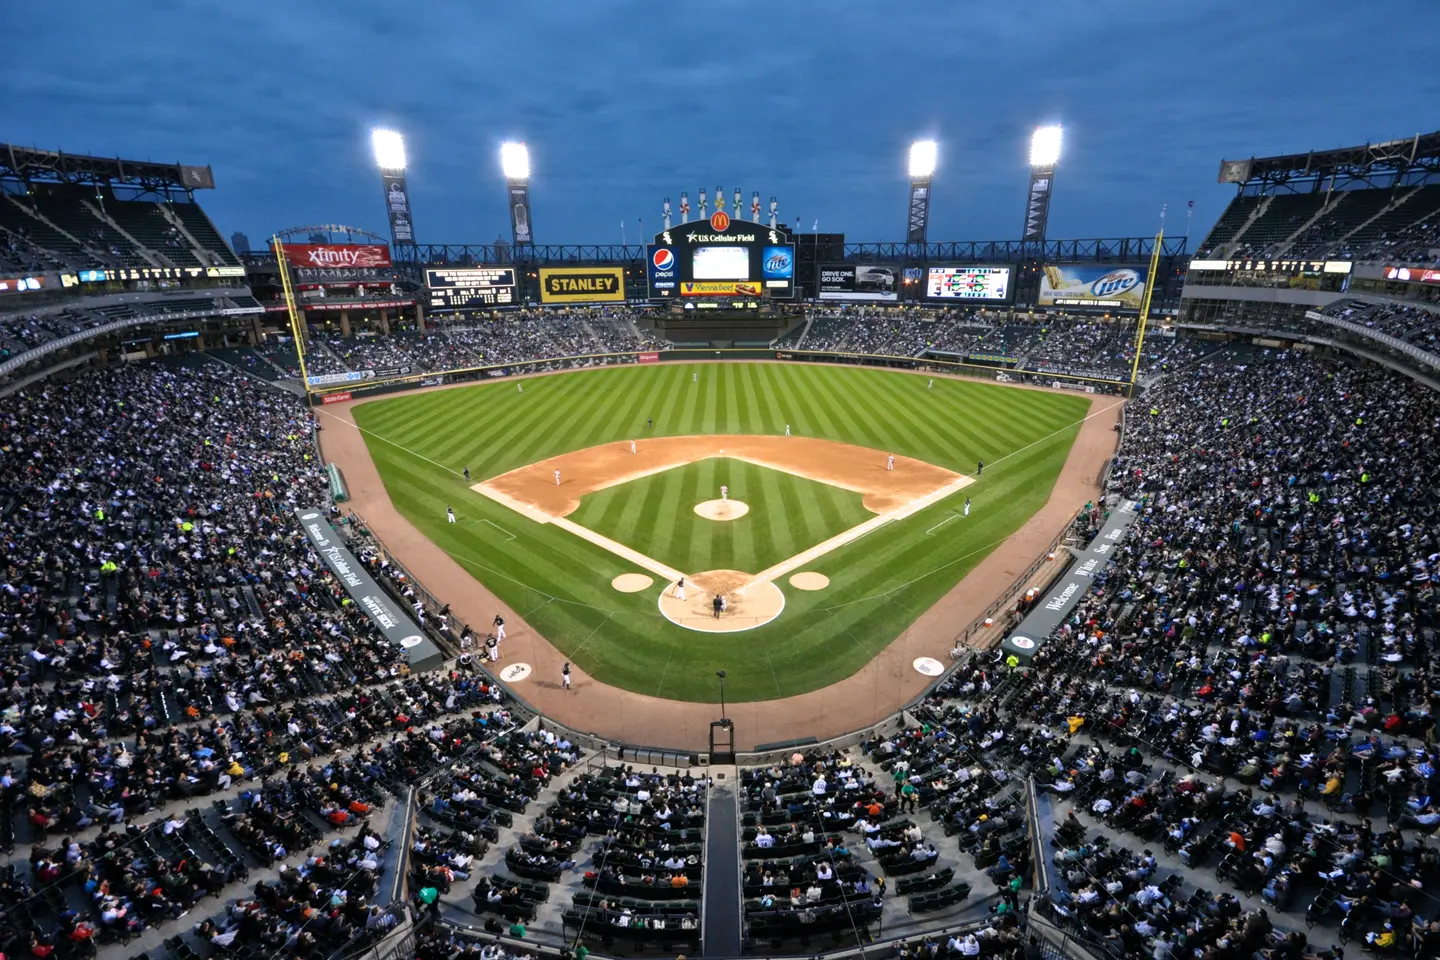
1114	282
720	221
663	259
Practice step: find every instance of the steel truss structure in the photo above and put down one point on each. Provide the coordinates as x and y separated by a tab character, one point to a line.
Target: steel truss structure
49	166
1411	161
1117	249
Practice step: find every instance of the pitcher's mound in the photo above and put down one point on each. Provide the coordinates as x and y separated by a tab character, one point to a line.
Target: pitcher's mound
722	509
631	582
809	581
758	604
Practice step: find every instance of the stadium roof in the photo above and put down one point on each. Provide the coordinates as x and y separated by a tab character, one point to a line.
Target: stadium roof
30	165
1393	157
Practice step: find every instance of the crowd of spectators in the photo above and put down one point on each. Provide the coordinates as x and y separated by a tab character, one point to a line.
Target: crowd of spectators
1413	323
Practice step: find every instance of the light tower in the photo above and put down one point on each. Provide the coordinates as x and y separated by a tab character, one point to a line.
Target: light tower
515	165
923	154
1044	155
389	148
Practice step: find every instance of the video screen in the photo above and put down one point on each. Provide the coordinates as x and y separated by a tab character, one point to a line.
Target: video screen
968	283
721	263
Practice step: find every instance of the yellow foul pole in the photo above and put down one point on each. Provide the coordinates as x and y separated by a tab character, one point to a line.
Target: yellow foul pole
297	323
1145	306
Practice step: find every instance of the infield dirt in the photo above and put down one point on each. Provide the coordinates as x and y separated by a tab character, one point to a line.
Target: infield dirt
867	696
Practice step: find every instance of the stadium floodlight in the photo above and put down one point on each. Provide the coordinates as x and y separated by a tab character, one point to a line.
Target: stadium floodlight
1045	146
923	154
515	160
389	149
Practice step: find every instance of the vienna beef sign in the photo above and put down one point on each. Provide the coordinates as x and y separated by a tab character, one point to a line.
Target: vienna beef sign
582	284
341	256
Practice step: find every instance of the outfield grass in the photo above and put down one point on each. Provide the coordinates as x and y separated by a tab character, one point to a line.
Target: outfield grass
655	515
878	585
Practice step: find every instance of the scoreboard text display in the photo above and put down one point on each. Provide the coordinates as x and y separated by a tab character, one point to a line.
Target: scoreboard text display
721	258
459	287
968	283
582	284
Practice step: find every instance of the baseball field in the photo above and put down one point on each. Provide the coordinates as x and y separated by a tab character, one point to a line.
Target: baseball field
822	548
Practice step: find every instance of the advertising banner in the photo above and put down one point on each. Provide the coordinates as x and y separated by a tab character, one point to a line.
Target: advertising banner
391	619
968	283
1412	274
336	397
733	288
337	255
858	281
520	213
648	357
349	376
397	206
1120	288
582	284
22	284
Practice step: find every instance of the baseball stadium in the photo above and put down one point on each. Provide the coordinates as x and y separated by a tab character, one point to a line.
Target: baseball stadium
736	592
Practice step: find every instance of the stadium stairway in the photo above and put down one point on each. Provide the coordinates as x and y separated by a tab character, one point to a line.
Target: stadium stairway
722	904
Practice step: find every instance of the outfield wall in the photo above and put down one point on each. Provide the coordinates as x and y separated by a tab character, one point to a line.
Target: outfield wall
344	392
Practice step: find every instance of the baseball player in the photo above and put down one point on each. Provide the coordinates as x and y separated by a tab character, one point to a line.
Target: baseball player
890	462
557	478
967	506
520	387
449	515
680	589
979	467
724	492
565	675
467	474
694	378
930	385
499	627
649	422
787	429
492	648
632	447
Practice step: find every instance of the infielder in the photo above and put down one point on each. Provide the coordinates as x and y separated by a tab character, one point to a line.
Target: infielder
967	506
680	589
499	627
787	429
632	447
890	462
557	478
724	492
450	514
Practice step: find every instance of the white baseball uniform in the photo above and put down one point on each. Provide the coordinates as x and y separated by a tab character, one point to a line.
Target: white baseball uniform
724	492
449	515
632	446
890	462
680	589
557	478
787	429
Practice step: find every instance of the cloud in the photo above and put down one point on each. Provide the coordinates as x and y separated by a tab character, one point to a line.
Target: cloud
624	103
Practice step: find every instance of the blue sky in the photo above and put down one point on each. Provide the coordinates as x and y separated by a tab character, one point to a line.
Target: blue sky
625	102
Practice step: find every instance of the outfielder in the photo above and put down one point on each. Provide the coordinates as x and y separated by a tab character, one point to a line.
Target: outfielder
724	492
930	385
890	462
787	429
557	478
694	378
450	514
680	589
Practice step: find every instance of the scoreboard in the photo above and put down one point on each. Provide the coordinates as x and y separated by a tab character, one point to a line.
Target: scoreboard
454	288
968	283
701	262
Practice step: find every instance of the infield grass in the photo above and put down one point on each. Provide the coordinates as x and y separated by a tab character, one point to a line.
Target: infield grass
655	515
561	584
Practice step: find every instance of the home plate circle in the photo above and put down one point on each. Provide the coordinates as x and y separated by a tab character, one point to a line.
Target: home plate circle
928	666
722	509
515	672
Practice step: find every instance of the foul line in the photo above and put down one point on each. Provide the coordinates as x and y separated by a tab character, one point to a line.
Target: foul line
1049	436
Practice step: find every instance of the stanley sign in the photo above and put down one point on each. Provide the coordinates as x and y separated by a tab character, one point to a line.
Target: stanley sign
582	284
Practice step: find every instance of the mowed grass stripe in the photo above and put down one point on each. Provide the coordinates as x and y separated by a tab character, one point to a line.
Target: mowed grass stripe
822	636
